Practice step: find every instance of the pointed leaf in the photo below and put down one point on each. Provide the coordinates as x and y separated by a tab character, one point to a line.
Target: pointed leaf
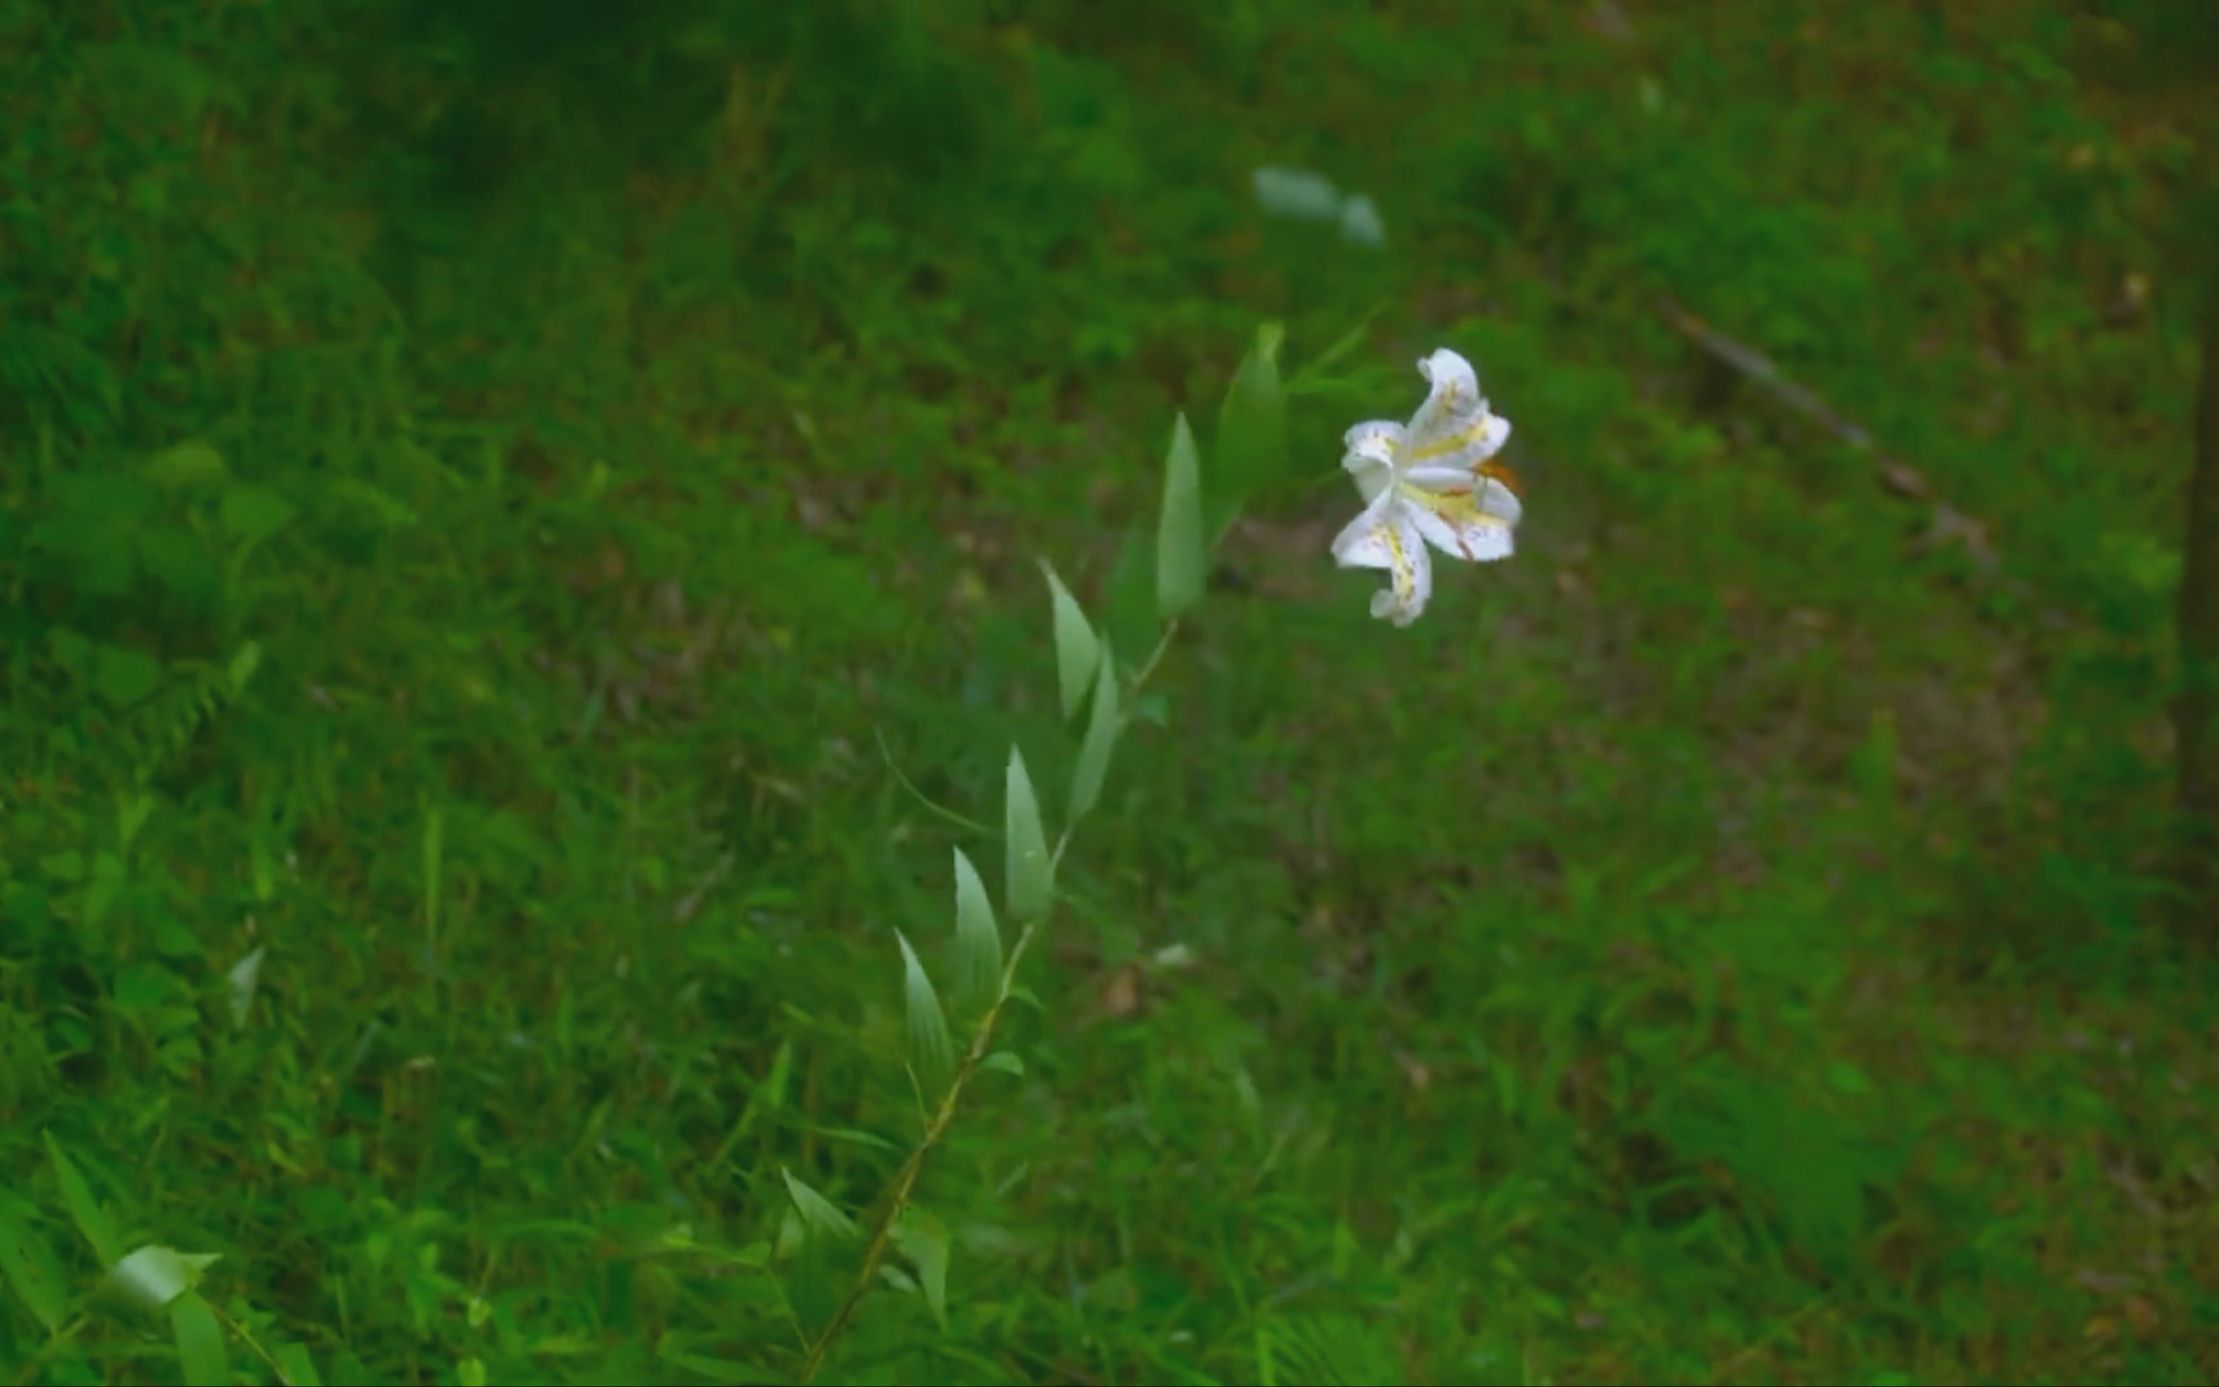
27	1260
151	1277
1030	875
924	1026
1129	595
923	1239
818	1213
199	1342
240	984
1005	1062
1300	193
1077	652
1180	554
1361	223
1252	423
84	1210
243	664
298	1367
1102	727
978	943
1312	378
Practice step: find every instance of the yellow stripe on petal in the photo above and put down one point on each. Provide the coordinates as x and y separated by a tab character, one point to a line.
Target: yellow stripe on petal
1461	526
1402	572
1456	442
1459	507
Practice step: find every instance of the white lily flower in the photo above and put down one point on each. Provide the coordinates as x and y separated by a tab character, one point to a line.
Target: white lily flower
1430	482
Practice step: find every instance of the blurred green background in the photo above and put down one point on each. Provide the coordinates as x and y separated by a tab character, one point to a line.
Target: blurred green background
479	480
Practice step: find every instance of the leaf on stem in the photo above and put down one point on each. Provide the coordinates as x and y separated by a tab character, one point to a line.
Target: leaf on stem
1077	651
199	1342
819	1214
1030	874
1252	422
1102	728
923	1239
1180	553
978	943
924	1026
84	1210
28	1262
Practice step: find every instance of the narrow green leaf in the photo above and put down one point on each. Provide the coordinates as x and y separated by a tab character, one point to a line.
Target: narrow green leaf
924	1026
151	1277
818	1213
1252	422
978	943
254	513
766	1096
199	1342
1102	727
854	1136
1031	876
1308	379
1077	652
755	1254
298	1368
1129	595
959	820
715	1369
84	1210
1005	1062
923	1239
1180	554
434	841
28	1262
239	984
244	661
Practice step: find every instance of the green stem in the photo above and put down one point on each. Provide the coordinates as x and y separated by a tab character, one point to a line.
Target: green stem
56	1341
1155	657
248	1339
905	1181
982	1040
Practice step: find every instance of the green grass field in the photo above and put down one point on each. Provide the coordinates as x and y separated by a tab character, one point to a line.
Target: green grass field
491	495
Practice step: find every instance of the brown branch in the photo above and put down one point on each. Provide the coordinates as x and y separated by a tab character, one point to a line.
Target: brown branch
1897	476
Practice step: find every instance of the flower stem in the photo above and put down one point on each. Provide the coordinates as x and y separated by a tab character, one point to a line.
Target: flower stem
905	1180
1155	657
982	1040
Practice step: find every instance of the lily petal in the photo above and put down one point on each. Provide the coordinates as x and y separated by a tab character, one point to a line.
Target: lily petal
1372	447
1489	493
1500	501
1452	405
1387	536
1479	438
1376	439
1362	542
1474	526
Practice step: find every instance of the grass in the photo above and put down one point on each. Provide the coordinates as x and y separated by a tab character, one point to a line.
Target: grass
481	481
